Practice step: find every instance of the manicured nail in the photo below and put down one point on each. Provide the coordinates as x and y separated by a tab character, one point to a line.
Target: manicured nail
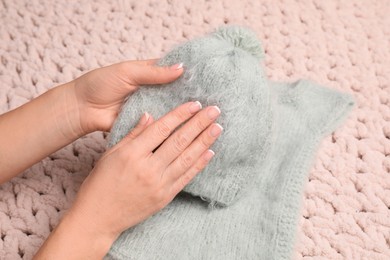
209	155
215	130
177	66
144	119
213	112
195	107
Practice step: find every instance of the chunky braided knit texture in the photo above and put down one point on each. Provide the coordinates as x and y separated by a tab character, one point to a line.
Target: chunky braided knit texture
341	44
223	69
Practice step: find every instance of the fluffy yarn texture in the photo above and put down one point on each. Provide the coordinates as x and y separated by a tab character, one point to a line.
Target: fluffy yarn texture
241	38
261	226
220	69
263	223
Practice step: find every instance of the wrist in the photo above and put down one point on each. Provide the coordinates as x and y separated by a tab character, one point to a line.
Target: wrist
67	112
84	227
92	221
75	238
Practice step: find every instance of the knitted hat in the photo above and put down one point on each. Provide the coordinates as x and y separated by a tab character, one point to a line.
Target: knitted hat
221	69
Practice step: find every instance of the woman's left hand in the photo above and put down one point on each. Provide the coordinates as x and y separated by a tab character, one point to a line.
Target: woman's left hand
69	111
101	92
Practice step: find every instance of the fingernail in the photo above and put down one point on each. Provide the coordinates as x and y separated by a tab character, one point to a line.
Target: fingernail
215	130
195	107
177	66
209	155
144	119
213	112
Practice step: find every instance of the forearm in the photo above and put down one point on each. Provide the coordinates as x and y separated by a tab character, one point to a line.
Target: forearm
74	238
33	131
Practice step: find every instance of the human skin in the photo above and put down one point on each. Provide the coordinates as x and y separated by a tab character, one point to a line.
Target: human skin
132	180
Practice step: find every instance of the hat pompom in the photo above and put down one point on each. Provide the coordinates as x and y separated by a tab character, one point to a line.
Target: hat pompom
241	37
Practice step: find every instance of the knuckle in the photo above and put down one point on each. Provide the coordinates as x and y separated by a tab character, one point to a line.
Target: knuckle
186	161
200	166
179	114
204	141
180	141
131	135
163	129
199	125
184	180
159	195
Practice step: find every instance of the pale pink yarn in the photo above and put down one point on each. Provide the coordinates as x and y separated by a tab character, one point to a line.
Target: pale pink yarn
340	44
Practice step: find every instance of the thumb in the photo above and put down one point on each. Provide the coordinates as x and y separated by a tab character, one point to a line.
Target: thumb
146	73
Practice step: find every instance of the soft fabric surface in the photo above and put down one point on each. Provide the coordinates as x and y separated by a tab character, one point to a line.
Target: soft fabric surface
262	224
223	68
290	120
340	44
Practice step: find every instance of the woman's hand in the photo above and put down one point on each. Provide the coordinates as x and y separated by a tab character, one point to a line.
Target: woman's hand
133	180
101	92
61	115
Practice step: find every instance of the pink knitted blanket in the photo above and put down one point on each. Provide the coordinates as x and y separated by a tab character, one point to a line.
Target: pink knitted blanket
340	44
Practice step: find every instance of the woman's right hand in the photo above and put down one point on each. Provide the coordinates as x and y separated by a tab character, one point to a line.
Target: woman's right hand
134	180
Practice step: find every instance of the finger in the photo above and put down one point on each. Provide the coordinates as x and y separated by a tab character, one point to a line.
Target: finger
187	159
147	62
160	130
183	137
141	125
185	178
146	73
